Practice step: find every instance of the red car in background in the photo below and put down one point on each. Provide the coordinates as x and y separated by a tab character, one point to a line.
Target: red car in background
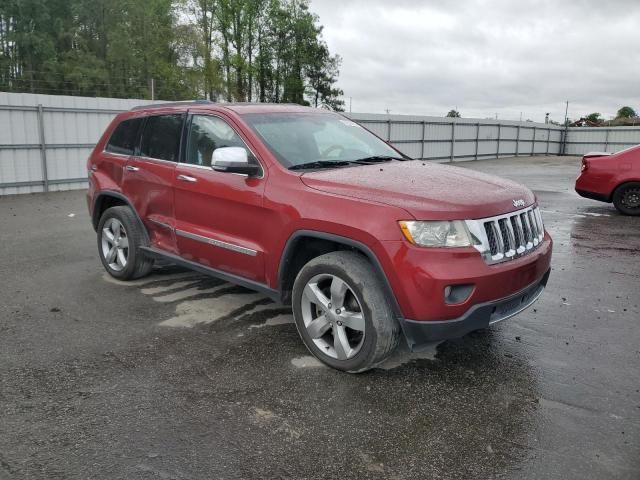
612	177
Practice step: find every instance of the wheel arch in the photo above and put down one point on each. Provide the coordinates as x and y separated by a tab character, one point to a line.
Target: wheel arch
108	199
621	184
304	245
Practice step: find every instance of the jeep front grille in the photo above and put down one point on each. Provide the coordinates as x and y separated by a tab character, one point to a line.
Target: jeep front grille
509	236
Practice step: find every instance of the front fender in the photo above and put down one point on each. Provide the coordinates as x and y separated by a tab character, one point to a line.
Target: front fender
368	250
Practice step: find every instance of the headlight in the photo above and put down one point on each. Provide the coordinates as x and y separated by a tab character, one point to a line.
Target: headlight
444	233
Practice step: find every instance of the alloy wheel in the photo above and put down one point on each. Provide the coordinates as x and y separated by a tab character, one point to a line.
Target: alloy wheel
631	198
115	244
333	316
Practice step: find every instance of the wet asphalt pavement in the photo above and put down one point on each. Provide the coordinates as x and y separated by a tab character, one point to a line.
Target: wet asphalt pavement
179	376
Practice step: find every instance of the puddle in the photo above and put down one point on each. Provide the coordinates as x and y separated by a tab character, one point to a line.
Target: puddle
402	356
147	280
204	311
272	322
199	301
397	359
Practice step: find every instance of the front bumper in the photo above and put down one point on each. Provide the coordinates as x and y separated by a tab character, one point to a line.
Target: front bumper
419	277
418	334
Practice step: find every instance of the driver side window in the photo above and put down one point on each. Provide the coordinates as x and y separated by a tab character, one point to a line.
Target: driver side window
208	133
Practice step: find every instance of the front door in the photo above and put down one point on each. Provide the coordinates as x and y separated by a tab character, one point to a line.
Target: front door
149	175
220	219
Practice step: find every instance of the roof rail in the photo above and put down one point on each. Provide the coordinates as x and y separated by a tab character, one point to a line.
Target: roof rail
172	104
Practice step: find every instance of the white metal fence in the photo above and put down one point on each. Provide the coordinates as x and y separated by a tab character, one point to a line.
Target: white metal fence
437	138
46	139
581	140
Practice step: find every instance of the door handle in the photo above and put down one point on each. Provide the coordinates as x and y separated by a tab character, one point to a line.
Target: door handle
131	168
186	178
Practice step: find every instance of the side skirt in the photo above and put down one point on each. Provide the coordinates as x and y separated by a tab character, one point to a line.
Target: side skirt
227	277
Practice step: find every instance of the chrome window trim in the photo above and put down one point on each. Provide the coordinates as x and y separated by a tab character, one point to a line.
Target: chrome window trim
524	219
200	167
140	157
211	169
217	243
105	151
153	159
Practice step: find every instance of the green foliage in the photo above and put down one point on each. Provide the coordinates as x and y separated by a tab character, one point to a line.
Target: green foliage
453	114
626	112
594	117
234	50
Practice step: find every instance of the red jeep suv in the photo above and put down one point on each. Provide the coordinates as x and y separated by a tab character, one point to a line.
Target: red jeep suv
314	210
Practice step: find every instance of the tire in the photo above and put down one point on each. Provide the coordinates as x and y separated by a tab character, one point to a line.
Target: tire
360	314
120	225
626	198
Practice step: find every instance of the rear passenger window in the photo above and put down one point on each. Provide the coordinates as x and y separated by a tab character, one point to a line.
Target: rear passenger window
161	137
123	138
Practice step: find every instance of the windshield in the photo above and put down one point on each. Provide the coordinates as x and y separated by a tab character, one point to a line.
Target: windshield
304	138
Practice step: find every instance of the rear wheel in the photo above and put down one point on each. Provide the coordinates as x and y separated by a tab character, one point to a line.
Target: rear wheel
626	198
120	236
342	313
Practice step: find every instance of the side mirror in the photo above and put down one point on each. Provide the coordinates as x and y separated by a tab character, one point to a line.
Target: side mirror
233	160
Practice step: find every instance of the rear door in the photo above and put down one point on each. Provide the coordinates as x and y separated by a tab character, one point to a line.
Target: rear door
109	166
220	219
149	176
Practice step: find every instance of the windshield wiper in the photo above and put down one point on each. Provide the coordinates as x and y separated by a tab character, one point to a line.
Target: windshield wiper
319	164
376	159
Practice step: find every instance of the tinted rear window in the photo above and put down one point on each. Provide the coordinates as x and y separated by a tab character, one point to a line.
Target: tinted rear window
161	137
123	138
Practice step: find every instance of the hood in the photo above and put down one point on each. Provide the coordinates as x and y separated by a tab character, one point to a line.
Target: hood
428	191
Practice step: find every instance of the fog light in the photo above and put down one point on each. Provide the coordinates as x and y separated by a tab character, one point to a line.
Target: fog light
457	293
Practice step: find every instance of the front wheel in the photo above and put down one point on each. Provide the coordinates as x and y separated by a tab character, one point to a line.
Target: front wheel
626	198
120	236
342	313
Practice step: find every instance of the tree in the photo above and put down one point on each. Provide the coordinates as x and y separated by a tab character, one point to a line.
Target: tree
453	114
202	48
241	50
626	112
594	117
322	73
90	47
32	36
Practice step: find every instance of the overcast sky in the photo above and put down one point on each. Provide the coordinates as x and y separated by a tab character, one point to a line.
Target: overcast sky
486	57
